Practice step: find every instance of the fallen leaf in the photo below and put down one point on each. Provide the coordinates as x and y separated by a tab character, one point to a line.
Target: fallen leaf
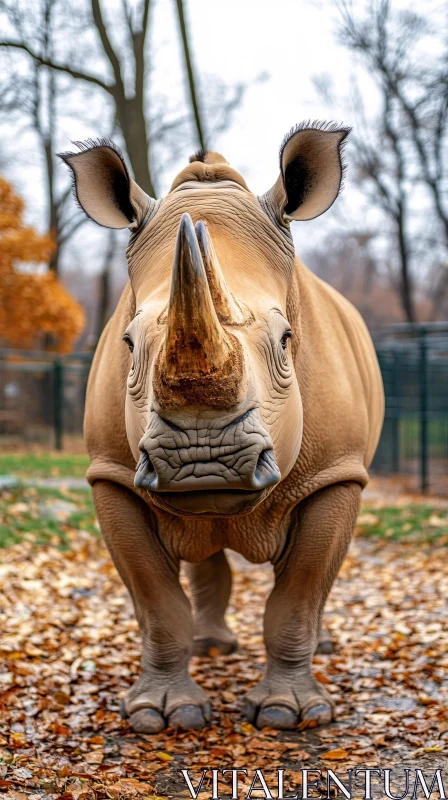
163	756
61	698
18	740
335	755
321	677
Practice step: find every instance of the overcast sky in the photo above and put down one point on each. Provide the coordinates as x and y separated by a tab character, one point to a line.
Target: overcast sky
289	40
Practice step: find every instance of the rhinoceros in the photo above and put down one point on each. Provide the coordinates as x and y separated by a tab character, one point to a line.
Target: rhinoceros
234	401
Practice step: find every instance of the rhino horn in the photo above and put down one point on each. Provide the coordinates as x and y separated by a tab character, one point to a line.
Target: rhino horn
229	309
195	340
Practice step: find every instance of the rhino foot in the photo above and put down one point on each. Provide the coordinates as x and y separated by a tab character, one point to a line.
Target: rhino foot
215	645
183	706
282	706
325	645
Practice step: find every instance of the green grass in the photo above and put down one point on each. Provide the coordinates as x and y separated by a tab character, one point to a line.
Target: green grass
411	521
26	514
410	437
43	465
30	514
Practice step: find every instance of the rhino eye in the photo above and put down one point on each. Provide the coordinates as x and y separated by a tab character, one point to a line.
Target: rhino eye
284	340
129	342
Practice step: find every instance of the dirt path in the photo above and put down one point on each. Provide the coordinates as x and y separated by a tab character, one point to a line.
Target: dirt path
70	648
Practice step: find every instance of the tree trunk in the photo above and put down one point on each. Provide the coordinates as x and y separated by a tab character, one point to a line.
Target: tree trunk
52	206
49	148
103	308
190	74
406	289
104	286
131	118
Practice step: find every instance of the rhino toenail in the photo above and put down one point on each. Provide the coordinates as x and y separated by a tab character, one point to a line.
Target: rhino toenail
187	718
280	717
147	720
322	713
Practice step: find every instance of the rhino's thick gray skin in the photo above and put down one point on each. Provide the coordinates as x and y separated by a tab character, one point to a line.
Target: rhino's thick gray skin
244	417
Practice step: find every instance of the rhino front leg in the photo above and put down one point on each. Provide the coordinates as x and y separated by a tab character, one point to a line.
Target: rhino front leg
211	584
318	540
165	694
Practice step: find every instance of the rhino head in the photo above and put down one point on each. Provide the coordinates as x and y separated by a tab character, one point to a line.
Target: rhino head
213	406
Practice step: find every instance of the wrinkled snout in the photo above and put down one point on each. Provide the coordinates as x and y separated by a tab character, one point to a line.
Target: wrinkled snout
237	456
213	461
207	467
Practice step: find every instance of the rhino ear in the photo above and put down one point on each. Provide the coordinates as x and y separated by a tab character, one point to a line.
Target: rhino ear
103	187
311	171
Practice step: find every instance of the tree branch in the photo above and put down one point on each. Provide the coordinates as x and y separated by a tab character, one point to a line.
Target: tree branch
415	126
385	60
70	231
145	16
138	44
128	16
107	45
190	73
46	62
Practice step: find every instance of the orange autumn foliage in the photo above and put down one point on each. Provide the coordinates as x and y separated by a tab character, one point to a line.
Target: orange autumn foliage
31	305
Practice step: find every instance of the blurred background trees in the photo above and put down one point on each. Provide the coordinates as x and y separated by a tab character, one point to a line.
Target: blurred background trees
400	152
30	97
62	59
33	307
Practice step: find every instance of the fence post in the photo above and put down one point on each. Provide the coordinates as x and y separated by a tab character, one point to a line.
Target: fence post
423	411
58	402
396	383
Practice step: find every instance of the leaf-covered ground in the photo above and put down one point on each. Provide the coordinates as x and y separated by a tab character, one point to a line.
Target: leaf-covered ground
70	649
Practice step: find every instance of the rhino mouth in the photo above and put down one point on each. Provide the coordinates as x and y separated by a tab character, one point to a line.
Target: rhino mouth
202	475
219	503
223	470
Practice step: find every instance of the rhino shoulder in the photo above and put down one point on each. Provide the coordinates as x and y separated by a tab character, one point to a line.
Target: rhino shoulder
339	378
104	420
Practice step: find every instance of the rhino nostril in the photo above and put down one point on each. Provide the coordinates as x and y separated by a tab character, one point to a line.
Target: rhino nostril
145	472
266	470
263	464
150	466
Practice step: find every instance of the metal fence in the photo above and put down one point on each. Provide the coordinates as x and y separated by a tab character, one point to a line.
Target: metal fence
414	441
42	400
42	396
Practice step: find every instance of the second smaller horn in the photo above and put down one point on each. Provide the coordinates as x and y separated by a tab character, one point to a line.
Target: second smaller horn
196	342
229	310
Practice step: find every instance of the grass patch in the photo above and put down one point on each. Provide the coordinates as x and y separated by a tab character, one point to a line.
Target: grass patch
55	516
44	465
45	516
397	522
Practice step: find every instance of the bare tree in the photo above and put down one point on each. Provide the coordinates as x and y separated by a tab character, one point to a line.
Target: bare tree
402	158
382	166
124	60
129	107
33	96
53	50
